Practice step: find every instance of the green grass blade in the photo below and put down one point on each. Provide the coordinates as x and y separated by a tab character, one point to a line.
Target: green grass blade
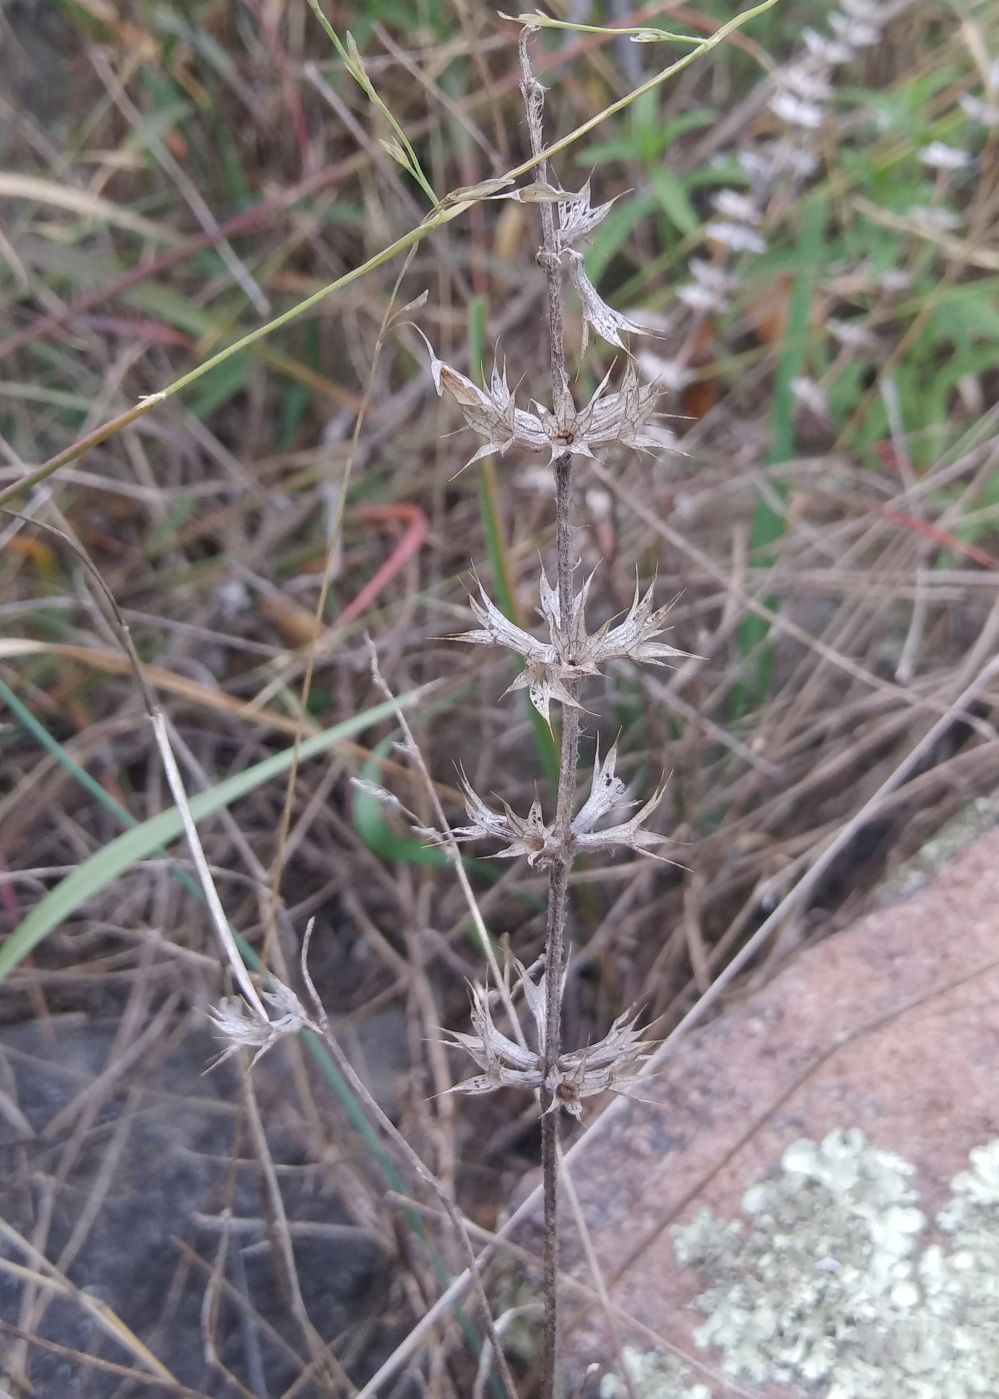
144	840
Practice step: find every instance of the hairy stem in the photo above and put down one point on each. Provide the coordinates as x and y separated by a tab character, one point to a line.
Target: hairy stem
558	887
555	947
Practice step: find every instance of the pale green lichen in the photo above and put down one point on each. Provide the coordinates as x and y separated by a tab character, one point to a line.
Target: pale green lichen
654	1374
827	1290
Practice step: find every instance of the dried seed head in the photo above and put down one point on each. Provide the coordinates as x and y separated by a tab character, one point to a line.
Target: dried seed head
532	837
506	1063
622	417
633	637
524	835
496	629
238	1023
543	684
613	1063
492	415
577	219
571	654
607	322
544	676
607	791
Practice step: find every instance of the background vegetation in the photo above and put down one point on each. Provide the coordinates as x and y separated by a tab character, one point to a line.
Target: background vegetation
175	173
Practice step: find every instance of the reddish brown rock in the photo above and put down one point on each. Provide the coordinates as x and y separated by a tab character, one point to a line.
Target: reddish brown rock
891	1026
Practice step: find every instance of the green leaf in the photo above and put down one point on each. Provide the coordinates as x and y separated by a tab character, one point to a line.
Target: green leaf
675	201
686	122
615	231
378	835
603	152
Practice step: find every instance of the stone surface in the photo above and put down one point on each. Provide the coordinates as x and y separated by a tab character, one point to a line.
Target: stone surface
142	1178
891	1026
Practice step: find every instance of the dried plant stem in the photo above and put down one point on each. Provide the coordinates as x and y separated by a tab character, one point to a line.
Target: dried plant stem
555	950
558	886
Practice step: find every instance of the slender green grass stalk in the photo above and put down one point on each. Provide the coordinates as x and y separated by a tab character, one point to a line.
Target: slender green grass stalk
401	149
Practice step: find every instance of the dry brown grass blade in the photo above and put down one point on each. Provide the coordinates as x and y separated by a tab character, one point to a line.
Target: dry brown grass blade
89	206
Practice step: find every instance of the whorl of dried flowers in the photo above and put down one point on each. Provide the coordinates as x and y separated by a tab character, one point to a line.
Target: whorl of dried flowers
529	835
570	652
612	1064
623	416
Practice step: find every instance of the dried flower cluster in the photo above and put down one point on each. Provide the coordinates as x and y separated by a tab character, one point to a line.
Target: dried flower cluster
623	416
242	1027
571	653
805	88
529	835
612	1064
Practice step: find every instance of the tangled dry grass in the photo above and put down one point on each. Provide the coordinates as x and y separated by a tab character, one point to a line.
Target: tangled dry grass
169	179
